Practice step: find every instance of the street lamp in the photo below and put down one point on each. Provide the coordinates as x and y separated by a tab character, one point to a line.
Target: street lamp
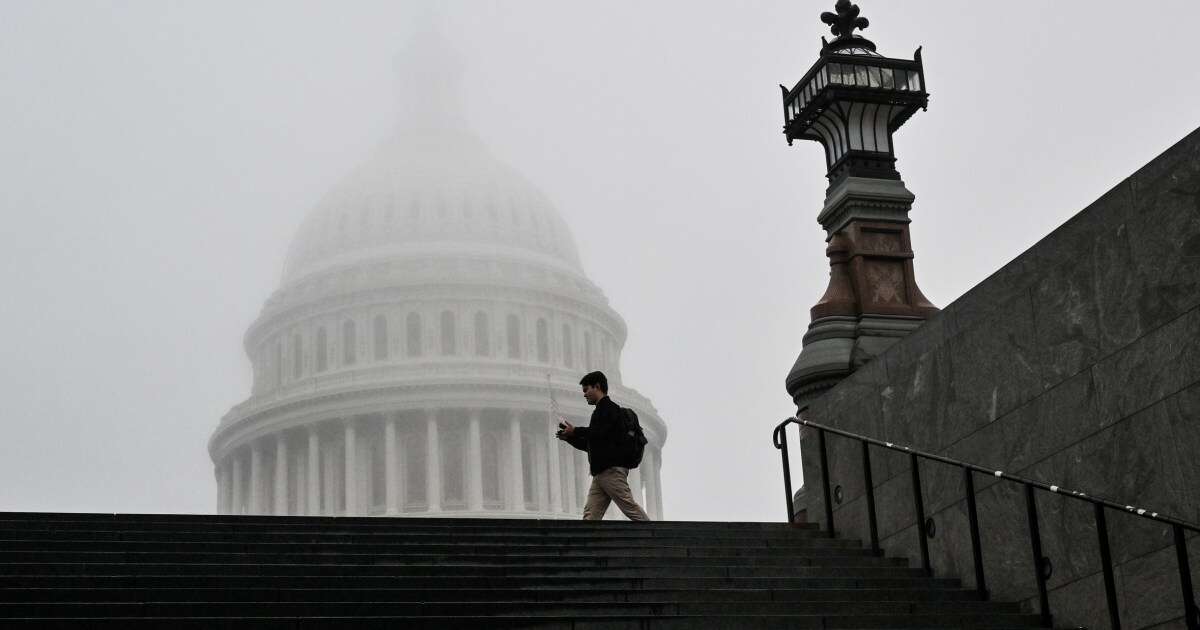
852	101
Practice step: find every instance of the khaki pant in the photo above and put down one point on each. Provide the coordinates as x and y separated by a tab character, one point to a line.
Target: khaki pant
612	484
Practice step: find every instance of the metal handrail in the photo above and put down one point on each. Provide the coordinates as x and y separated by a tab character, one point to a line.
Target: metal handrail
1040	563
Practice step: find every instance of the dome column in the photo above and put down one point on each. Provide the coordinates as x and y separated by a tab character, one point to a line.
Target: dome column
567	461
256	479
314	472
391	466
351	468
649	462
635	486
433	463
556	494
238	483
516	482
474	463
281	475
223	487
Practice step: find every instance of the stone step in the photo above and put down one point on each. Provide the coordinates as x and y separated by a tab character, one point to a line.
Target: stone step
464	581
329	557
664	550
499	537
615	622
323	522
547	570
975	611
546	594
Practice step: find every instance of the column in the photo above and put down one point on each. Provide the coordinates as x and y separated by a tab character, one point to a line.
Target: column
516	483
651	491
351	468
556	493
572	490
540	473
256	479
281	476
301	482
391	466
237	494
474	463
223	487
635	486
583	473
433	463
314	471
657	478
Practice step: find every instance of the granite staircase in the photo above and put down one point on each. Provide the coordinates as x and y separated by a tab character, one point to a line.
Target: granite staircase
181	572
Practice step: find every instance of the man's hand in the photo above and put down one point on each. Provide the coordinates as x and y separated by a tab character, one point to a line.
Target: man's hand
565	430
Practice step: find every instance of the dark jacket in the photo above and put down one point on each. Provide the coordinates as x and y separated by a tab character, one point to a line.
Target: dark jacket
601	438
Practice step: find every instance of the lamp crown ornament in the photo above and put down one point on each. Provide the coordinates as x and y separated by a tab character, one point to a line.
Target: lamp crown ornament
845	20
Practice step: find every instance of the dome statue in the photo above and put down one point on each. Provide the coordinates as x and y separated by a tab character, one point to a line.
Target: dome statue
430	329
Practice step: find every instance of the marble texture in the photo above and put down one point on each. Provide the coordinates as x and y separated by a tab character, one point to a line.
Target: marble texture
1078	363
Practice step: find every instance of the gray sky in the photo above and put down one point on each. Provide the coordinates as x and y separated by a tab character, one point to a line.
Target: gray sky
157	158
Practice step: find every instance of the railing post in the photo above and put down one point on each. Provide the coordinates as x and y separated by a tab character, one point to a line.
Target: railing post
825	482
1110	584
1191	614
866	462
1035	541
780	439
976	545
919	509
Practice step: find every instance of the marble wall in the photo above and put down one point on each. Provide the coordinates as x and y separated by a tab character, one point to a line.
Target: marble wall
1077	364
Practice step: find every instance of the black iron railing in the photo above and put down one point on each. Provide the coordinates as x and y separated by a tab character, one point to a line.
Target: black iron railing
1040	563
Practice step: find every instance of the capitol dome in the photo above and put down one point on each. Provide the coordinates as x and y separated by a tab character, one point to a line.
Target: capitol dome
432	323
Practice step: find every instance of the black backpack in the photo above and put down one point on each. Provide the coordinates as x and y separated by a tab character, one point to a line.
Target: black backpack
633	440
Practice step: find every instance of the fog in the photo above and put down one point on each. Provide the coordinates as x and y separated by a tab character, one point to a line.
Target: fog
158	157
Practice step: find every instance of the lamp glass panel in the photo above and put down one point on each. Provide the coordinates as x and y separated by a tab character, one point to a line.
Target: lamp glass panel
901	80
887	80
835	72
914	81
876	81
861	76
823	77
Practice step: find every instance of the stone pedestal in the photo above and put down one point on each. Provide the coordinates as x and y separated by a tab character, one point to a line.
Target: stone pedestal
872	299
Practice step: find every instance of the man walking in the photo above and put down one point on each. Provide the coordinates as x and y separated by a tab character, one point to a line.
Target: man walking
608	457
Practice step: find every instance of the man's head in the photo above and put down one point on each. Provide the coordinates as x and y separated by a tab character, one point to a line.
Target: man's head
595	386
